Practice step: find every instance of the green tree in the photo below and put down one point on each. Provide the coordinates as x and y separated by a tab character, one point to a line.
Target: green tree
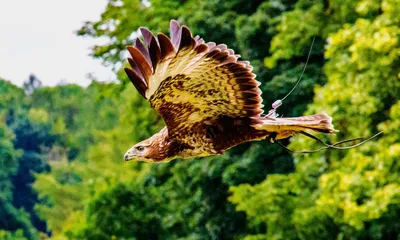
75	114
17	235
66	190
11	217
12	101
8	160
128	205
351	194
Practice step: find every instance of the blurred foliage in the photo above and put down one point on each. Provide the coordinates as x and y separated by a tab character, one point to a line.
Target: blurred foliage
62	171
352	194
12	218
17	235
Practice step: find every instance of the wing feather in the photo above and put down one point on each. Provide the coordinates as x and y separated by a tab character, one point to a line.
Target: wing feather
176	31
147	35
139	45
190	82
155	53
135	67
167	49
211	45
140	61
187	40
137	81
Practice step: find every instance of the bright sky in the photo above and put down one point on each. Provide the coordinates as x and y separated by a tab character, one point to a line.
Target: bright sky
37	36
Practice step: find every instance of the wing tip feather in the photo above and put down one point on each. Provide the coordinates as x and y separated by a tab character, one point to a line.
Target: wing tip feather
139	83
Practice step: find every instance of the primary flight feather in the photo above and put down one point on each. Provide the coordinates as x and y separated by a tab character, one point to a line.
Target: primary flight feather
209	100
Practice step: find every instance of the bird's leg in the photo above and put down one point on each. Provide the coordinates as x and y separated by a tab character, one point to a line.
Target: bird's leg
272	137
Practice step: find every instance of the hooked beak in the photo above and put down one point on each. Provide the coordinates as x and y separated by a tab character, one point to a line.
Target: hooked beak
129	155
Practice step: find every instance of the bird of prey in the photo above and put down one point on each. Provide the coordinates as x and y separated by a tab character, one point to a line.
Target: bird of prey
208	99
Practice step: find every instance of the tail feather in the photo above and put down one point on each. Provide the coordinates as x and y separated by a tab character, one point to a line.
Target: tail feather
286	127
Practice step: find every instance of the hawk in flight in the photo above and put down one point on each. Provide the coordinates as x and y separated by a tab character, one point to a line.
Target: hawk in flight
209	100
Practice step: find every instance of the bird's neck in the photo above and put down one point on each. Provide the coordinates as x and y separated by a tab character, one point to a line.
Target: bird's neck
164	148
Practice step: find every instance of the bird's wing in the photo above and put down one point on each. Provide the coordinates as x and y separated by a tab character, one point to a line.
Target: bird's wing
188	81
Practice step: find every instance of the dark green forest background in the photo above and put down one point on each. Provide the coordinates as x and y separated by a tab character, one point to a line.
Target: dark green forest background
62	173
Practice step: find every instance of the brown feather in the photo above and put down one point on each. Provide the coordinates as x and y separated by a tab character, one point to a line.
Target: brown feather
201	48
244	74
141	62
135	67
139	45
155	53
136	81
167	49
212	53
286	127
247	86
186	39
221	56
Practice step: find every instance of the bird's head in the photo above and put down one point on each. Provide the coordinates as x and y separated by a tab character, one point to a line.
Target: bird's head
141	151
154	149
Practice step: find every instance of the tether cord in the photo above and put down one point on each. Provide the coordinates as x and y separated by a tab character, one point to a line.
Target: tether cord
327	146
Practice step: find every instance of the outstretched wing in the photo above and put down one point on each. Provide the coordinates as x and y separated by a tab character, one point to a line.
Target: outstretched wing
189	82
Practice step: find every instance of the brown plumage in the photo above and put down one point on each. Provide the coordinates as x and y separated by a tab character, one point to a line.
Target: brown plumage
209	100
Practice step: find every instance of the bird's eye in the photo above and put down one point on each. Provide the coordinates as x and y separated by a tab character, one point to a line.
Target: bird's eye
140	148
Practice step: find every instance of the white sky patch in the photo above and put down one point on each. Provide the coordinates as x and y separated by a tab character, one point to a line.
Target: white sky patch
38	37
